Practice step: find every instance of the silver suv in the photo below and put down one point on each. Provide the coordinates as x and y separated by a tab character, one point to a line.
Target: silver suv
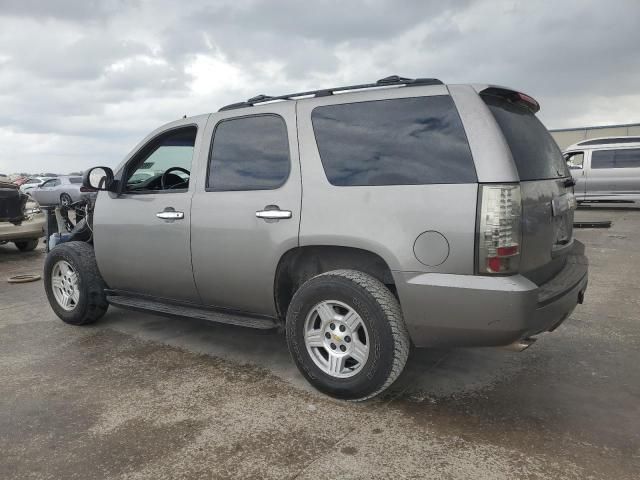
359	219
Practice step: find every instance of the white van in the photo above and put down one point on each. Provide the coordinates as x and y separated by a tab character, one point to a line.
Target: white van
606	169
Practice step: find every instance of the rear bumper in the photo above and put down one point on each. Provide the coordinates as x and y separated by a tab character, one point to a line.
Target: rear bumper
27	230
474	310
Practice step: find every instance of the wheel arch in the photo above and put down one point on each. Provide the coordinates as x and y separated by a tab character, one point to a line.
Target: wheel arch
299	264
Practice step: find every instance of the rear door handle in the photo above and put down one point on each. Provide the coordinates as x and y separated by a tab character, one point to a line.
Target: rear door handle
170	215
273	212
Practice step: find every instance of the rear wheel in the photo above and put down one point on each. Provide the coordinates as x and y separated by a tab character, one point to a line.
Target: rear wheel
65	200
26	245
346	334
73	283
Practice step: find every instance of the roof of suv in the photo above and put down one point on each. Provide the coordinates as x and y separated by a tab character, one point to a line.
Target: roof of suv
385	83
393	80
605	142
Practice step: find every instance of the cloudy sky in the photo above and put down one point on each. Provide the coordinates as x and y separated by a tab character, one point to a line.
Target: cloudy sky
82	81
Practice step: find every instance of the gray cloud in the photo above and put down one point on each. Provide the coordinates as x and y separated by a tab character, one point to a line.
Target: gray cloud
74	10
82	81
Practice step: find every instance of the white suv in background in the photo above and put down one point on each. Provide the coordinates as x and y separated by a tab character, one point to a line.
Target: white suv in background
606	169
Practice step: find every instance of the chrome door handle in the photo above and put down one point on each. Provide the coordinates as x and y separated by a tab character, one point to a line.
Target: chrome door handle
170	215
273	212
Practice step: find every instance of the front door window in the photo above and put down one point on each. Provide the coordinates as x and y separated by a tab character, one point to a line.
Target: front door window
575	160
165	164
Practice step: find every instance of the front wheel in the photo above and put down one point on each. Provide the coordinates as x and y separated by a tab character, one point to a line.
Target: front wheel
73	284
346	334
26	245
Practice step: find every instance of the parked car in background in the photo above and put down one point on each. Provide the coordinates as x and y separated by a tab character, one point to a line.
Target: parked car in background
433	215
20	181
32	183
21	220
606	169
62	190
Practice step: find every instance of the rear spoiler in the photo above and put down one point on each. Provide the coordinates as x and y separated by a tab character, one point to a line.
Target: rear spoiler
511	95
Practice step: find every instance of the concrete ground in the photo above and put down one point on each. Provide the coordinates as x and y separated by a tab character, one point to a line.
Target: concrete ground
142	396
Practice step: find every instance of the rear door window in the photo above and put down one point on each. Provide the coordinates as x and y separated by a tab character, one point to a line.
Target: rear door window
75	180
249	153
535	152
407	141
623	158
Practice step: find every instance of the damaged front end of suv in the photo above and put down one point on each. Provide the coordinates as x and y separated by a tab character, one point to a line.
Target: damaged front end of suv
21	219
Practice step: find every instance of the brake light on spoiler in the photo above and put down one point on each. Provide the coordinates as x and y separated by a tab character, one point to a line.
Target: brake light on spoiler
499	229
513	96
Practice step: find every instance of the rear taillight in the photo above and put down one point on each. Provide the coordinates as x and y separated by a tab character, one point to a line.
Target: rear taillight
499	233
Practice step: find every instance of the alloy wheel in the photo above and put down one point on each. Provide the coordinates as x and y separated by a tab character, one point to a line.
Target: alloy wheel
336	339
65	285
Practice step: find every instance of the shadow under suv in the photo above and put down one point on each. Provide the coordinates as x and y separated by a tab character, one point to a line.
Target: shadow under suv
360	219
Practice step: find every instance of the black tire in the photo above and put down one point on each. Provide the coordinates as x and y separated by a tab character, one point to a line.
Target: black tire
26	245
92	303
381	314
65	199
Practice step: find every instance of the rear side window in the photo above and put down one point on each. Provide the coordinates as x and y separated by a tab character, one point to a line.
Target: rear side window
249	153
407	141
534	151
75	179
627	158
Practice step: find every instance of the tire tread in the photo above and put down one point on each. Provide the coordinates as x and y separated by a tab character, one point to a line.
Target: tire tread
392	311
96	300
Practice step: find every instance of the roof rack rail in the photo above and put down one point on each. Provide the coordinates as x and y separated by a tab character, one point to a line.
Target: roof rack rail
609	140
393	80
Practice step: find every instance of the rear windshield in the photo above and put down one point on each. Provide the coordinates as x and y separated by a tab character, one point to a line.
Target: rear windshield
534	150
75	180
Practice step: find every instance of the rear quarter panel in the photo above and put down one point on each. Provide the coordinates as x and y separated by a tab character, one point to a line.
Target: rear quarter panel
385	220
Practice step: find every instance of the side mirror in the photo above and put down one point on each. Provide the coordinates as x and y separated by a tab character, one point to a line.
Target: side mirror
98	178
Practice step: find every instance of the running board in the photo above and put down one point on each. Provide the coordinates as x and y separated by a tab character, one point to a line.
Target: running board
191	311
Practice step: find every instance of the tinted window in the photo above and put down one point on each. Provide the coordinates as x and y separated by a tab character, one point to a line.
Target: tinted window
627	158
603	159
75	179
51	183
534	151
407	141
250	153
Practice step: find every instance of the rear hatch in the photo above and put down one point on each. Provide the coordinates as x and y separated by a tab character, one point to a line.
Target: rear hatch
546	186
